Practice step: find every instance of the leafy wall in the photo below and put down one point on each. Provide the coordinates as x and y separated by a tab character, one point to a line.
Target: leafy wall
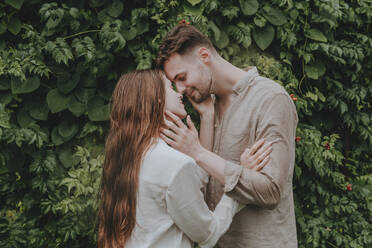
59	62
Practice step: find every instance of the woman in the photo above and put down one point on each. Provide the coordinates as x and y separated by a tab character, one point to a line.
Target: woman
150	194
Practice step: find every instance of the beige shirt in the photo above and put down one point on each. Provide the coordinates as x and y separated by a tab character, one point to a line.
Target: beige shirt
260	108
171	211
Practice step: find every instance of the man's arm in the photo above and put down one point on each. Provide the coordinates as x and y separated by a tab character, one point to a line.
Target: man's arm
277	123
261	188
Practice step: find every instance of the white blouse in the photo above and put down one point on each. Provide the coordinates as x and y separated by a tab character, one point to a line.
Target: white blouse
171	211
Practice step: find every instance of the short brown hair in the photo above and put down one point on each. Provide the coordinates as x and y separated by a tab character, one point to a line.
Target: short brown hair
181	39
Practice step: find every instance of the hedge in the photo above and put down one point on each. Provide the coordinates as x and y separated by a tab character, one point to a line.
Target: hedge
59	62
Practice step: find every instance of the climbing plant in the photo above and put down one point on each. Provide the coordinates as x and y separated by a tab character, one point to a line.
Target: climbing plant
59	62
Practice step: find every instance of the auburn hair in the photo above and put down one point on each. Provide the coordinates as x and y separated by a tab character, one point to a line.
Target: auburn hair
181	39
136	117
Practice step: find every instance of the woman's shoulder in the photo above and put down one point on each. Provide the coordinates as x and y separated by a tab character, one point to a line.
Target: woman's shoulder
164	162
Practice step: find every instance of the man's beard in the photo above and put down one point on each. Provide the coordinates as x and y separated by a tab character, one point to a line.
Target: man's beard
200	97
203	95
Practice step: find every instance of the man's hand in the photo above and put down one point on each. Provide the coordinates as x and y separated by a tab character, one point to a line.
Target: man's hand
257	156
180	137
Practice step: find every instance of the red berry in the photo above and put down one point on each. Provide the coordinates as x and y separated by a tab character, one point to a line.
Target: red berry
292	95
187	23
327	146
349	188
298	138
294	98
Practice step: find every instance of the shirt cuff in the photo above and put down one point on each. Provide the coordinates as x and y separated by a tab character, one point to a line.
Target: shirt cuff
232	174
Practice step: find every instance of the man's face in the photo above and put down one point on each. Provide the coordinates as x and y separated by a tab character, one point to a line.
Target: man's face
191	76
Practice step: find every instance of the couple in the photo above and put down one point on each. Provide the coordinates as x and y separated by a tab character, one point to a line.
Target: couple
155	169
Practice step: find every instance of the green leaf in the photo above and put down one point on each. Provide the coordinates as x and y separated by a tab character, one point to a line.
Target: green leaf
193	10
316	34
27	86
293	14
130	33
215	29
259	21
84	94
57	101
5	98
56	138
65	86
65	156
264	36
223	40
17	4
89	82
77	108
115	9
96	3
274	15
14	25
248	7
97	110
24	119
142	27
4	83
68	129
103	16
194	2
316	70
39	111
2	28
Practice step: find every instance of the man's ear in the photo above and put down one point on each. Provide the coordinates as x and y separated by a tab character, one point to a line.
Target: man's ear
204	54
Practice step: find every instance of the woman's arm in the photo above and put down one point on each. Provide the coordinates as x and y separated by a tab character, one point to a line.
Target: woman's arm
185	139
206	112
187	208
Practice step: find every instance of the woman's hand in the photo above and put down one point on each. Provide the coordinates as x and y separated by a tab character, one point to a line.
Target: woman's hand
204	108
181	137
256	157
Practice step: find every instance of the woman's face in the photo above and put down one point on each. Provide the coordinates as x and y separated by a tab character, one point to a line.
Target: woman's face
173	100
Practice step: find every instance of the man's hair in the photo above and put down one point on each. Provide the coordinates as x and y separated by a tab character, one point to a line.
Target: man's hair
181	39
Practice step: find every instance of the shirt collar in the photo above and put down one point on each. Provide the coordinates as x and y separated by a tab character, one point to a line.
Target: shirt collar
245	81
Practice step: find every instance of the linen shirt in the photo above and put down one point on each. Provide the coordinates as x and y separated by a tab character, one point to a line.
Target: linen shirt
171	211
260	108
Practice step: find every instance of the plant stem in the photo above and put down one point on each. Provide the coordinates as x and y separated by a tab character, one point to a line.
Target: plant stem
80	33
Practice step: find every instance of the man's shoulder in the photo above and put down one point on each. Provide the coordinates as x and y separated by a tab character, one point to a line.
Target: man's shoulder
269	87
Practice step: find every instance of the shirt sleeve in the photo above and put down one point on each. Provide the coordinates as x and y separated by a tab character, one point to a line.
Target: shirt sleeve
277	123
187	208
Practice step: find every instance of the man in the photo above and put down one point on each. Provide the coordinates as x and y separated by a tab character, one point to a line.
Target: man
248	108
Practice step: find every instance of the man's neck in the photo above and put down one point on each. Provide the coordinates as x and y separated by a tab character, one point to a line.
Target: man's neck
226	76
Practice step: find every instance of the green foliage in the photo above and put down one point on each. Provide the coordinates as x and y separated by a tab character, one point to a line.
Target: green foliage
59	62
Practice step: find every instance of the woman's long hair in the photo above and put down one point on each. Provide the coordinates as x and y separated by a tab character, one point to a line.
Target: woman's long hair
135	119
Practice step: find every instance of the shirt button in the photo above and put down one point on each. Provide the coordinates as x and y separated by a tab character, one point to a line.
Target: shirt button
215	125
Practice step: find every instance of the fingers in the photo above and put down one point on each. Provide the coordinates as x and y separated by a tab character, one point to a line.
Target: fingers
170	125
175	119
263	149
194	104
168	133
256	146
263	155
191	124
167	140
261	165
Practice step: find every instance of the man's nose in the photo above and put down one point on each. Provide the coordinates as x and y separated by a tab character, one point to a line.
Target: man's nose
180	88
